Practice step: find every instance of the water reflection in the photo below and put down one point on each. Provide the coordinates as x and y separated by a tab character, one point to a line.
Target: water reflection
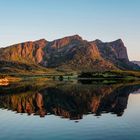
68	100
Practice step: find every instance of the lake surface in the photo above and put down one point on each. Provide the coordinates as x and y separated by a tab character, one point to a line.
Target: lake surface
70	111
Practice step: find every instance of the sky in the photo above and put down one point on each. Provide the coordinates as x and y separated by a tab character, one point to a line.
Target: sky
107	20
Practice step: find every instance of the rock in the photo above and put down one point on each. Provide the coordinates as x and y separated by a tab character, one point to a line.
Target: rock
70	52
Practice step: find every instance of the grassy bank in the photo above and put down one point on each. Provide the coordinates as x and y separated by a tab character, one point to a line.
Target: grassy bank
108	75
111	75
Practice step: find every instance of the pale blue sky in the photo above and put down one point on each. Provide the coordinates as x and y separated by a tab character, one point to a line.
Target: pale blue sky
23	20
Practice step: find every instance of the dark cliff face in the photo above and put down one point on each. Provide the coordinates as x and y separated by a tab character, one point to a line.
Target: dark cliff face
116	53
71	52
113	50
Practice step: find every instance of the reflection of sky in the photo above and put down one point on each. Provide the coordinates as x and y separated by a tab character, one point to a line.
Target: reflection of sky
16	126
104	19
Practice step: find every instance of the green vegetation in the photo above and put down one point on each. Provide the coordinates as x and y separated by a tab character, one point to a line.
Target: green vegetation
16	71
108	75
111	75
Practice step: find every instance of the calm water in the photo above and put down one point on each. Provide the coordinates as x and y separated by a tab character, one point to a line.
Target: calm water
70	111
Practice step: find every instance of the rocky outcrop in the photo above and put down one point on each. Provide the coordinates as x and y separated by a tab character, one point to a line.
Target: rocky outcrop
24	52
116	53
112	50
70	53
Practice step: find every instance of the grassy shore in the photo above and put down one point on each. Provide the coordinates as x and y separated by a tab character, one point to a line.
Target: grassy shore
108	75
111	75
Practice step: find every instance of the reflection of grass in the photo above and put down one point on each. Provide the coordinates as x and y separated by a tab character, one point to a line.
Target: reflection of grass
33	86
27	85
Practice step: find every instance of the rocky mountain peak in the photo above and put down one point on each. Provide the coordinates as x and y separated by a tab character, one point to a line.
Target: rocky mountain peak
71	52
41	42
117	43
77	37
98	41
69	40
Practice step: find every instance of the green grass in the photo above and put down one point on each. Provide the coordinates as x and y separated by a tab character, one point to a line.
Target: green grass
111	75
32	71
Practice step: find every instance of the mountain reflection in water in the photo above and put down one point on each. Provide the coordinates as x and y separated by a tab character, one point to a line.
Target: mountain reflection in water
67	100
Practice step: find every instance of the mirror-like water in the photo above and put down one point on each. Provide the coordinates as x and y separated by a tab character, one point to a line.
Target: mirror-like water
41	111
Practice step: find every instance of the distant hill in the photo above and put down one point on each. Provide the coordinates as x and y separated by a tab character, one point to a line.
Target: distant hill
136	62
72	53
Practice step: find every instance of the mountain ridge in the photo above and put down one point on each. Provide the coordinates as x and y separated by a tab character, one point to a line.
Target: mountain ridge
71	52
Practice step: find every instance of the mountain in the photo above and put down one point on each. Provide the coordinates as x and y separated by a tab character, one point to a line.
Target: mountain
18	67
136	62
116	52
72	53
